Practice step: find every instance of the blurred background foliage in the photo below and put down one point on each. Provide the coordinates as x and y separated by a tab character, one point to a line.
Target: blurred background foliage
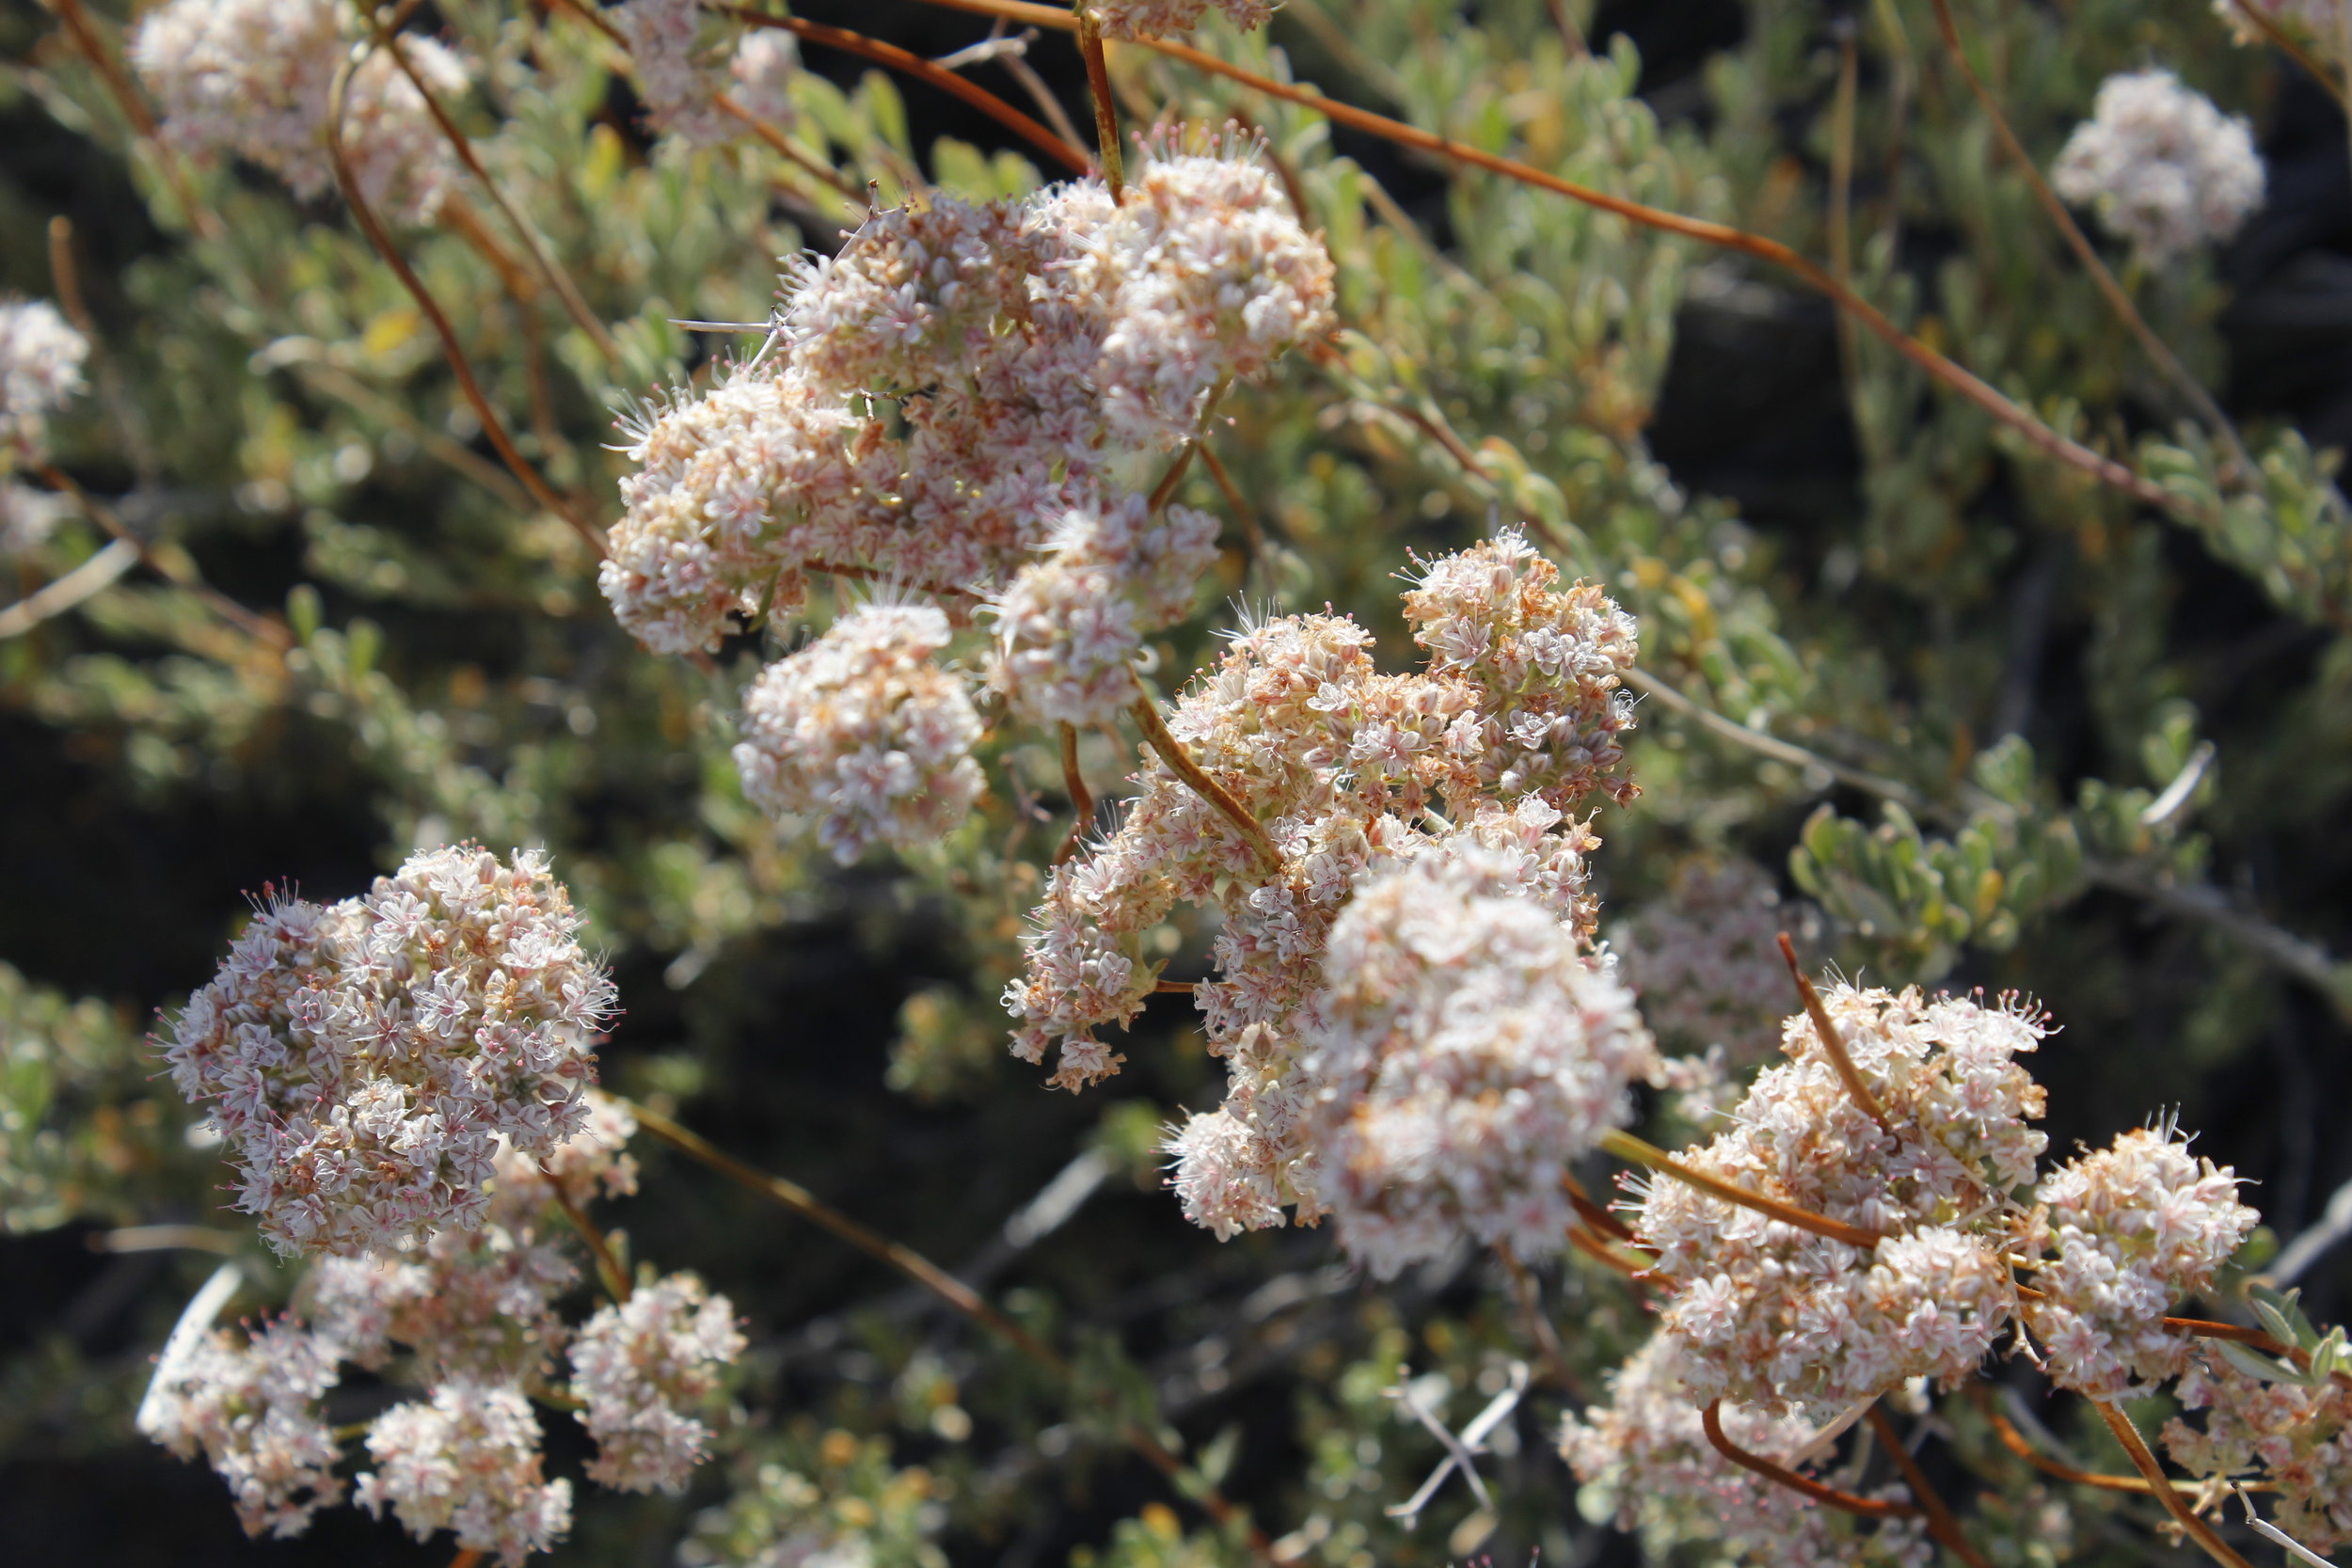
1953	714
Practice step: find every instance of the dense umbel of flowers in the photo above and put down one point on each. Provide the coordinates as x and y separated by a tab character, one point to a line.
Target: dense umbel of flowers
470	1318
639	1364
863	732
1771	1315
1464	1053
2132	1226
680	91
364	1058
1342	765
942	394
2162	167
41	367
1648	1454
255	79
2298	1439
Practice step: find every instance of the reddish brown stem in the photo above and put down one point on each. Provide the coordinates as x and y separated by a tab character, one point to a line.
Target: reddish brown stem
1633	1150
1869	1508
608	1270
1593	1214
2145	1463
1599	1252
2280	38
1807	271
1081	798
83	31
1106	112
2019	1444
1171	752
492	426
1833	1043
1941	1523
1004	114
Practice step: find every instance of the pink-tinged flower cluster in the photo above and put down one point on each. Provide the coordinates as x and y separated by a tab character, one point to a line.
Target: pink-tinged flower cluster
365	1058
255	79
1772	1315
2133	1226
470	1318
861	731
641	1366
1155	18
1647	1451
41	367
252	1411
679	90
1069	627
1704	961
765	61
942	394
2298	1439
2163	169
1465	1051
467	1462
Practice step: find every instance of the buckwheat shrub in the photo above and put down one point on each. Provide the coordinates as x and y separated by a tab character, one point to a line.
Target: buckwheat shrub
467	1462
939	396
2160	165
1152	18
1465	1052
863	732
254	79
1647	1453
2132	1226
1774	1316
2298	1439
640	1365
679	90
40	367
1705	963
1069	627
253	1410
365	1058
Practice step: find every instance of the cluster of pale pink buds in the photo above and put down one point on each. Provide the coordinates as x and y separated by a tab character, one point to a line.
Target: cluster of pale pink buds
40	367
2161	166
255	79
1154	19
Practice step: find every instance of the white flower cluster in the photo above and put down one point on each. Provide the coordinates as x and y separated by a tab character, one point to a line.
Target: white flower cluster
960	387
252	1411
1704	963
255	79
863	732
469	1317
2163	169
636	1364
765	62
1465	1052
1152	18
365	1058
1069	627
41	367
467	1461
2134	1226
1771	1315
2298	1439
1647	1454
679	89
1343	767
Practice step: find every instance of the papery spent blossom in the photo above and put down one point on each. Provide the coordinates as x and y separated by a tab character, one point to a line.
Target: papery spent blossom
2134	1227
1465	1052
365	1058
2162	167
862	731
467	1461
1774	1316
255	79
641	1366
1648	1454
41	367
